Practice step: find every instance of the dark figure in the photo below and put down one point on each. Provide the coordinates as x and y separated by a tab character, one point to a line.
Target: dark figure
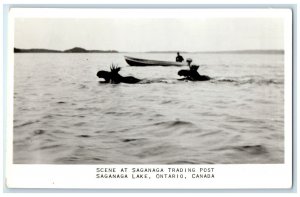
189	61
179	58
105	75
192	74
114	77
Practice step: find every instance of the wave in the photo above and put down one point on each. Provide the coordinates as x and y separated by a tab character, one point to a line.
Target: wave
180	162
39	132
233	80
83	136
255	149
176	123
248	80
26	123
252	149
158	80
54	146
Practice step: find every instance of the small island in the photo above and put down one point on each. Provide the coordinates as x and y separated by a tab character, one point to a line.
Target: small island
73	50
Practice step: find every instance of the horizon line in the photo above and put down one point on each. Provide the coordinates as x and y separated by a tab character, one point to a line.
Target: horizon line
160	51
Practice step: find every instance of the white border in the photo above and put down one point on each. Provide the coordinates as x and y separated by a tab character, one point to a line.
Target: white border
145	13
265	176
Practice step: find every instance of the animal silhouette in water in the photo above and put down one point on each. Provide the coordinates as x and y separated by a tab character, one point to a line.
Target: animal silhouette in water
114	77
192	74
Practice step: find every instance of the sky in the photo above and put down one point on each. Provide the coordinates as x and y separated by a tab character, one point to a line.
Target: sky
146	34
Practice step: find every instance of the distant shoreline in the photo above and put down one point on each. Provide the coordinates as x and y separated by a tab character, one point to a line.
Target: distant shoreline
73	50
82	50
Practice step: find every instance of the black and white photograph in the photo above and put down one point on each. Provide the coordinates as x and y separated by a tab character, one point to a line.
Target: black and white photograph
184	88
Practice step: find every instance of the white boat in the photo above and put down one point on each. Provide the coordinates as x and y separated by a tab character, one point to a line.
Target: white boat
145	62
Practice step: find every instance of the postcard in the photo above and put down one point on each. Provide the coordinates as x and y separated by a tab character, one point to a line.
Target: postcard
149	98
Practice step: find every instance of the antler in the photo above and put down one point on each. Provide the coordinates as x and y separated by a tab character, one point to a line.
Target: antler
114	68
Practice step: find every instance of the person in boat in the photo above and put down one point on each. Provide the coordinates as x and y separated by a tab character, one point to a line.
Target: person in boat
114	77
179	58
192	74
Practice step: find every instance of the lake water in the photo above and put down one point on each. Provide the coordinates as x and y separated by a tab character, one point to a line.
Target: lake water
63	115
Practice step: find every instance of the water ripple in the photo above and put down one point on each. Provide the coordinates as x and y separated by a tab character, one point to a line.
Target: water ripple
26	123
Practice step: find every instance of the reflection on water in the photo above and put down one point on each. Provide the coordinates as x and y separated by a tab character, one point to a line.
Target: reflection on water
62	115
